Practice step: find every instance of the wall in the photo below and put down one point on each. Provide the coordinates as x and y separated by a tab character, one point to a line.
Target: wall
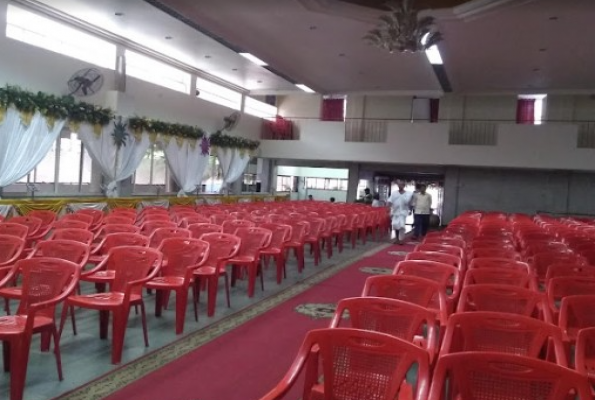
313	172
524	191
550	146
300	106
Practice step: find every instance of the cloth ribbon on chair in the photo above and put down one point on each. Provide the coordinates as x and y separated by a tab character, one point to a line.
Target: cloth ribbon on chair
116	163
24	143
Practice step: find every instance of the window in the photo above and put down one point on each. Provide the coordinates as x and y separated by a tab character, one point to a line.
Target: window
260	109
333	109
74	161
531	109
157	72
218	94
43	32
152	170
326	183
284	183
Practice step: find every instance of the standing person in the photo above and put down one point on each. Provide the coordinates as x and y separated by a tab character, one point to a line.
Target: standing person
367	196
400	203
422	208
310	197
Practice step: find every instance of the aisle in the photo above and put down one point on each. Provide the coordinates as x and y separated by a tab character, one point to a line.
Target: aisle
246	362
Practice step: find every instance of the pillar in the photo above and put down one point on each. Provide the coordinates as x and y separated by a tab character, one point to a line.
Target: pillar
353	182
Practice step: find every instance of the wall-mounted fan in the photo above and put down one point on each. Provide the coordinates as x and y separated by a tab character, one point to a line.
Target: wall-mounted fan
232	121
85	82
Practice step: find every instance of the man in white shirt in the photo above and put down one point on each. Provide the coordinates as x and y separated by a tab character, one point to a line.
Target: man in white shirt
400	203
422	208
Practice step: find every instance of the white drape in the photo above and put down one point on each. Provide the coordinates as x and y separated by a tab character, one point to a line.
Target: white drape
233	163
187	164
82	206
155	203
22	146
103	151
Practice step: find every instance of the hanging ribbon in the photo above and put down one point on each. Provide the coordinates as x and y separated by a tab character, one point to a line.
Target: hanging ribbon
2	114
97	129
50	120
74	126
138	134
180	141
26	118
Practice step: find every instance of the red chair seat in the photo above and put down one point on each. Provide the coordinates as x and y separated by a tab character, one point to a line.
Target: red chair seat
100	301
242	259
96	259
101	276
164	282
15	324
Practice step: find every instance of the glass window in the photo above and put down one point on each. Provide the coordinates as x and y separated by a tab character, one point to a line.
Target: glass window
260	109
152	169
71	149
31	28
157	72
210	91
284	183
343	184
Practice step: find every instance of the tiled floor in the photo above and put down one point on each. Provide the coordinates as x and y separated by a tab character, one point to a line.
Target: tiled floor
85	357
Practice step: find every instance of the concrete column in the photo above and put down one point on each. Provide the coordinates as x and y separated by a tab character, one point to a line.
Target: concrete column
125	188
264	174
353	181
450	206
235	188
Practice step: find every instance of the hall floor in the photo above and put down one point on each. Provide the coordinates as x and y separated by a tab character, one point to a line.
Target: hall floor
85	357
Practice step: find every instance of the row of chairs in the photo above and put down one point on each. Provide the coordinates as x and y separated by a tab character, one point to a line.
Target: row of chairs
432	331
43	264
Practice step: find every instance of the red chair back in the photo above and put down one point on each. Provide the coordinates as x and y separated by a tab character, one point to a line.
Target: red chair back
11	248
69	250
197	230
34	224
440	248
118	228
181	253
253	240
118	220
12	229
78	235
437	257
499	276
280	234
218	219
496	262
45	280
47	217
188	220
148	227
222	246
82	217
162	233
488	375
123	239
131	264
503	333
70	224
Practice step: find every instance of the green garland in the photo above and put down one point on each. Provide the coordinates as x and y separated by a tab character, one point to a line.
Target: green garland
54	107
140	124
219	139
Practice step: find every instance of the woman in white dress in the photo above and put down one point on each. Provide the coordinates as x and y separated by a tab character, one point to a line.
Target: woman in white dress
400	205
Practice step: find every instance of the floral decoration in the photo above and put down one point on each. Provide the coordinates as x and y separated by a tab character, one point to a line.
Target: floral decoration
221	140
140	124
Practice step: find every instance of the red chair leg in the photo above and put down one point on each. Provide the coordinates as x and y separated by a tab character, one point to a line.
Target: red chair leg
227	290
19	358
252	270
212	294
143	316
57	352
120	319
280	263
181	304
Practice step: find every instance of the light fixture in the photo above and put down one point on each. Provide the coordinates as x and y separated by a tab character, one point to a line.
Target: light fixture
432	53
207	56
168	38
254	59
305	88
403	31
119	14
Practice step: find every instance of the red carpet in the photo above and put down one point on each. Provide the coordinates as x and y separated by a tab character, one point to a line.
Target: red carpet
248	361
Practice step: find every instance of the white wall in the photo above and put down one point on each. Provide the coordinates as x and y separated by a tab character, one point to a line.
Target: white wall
550	146
313	172
300	106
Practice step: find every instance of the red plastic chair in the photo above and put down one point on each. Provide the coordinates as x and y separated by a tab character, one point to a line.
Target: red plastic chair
440	248
11	250
127	212
97	216
489	252
447	240
299	230
500	276
119	220
87	219
181	257
188	220
495	262
559	288
47	219
584	355
314	237
576	313
70	224
281	234
222	247
46	282
160	234
354	364
133	266
34	225
446	275
147	228
77	235
100	250
230	226
499	376
569	270
443	258
219	219
253	241
423	292
16	230
542	261
394	317
198	230
504	298
503	333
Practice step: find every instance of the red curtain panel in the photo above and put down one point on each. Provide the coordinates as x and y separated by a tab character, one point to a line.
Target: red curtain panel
525	111
332	110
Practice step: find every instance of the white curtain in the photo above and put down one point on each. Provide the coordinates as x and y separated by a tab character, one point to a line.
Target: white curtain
6	210
155	203
22	146
82	206
187	164
233	163
116	165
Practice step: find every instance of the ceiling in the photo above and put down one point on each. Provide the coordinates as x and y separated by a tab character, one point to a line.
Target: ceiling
490	46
